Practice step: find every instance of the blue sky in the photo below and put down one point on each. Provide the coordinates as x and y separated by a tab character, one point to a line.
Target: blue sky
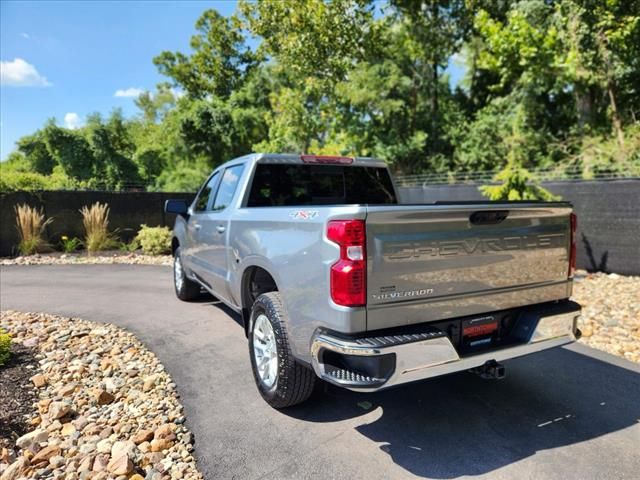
86	51
68	59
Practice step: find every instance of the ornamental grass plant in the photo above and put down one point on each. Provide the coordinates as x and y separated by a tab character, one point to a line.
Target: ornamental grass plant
95	220
31	224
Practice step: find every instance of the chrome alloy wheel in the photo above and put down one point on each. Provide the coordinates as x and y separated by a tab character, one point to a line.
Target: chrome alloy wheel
265	351
178	273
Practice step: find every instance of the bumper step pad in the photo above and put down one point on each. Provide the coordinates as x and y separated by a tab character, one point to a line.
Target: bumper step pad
351	378
392	340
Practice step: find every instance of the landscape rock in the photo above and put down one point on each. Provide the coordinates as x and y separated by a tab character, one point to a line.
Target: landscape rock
39	380
36	436
13	471
56	461
45	454
123	447
104	446
120	465
161	444
165	431
82	258
92	404
103	397
149	382
610	312
67	390
142	436
101	462
31	342
58	410
68	429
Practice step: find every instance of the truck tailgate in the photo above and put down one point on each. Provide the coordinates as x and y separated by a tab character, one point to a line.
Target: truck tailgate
432	262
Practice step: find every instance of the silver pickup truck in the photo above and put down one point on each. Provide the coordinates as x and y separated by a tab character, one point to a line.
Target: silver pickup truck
335	279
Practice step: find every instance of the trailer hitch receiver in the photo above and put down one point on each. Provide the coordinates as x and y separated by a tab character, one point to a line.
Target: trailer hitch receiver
491	370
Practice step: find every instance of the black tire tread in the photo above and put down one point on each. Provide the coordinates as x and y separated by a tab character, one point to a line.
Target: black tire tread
295	381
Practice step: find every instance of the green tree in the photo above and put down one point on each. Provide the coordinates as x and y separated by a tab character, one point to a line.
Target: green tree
435	31
313	38
219	62
602	41
517	182
154	106
70	150
112	169
37	155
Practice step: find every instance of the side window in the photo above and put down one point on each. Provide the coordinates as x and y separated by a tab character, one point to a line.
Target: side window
207	191
228	187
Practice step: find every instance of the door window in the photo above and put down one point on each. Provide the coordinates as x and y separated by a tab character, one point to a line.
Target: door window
228	187
207	191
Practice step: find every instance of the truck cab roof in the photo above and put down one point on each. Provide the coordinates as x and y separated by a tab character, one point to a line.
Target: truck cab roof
263	157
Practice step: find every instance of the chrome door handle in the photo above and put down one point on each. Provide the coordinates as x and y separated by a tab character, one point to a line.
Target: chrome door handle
197	226
220	229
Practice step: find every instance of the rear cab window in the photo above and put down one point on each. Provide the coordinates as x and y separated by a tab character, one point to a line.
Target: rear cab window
298	184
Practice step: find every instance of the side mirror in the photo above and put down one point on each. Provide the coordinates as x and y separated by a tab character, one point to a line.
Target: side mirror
179	207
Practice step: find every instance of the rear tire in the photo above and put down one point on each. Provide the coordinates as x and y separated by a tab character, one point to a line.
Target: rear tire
185	289
280	379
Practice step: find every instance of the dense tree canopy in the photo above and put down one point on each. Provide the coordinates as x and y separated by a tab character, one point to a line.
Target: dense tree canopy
548	83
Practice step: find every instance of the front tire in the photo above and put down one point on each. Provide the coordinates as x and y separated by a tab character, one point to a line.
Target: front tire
281	380
185	289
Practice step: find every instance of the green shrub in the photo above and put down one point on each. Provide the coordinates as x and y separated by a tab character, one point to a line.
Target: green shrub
129	247
12	180
517	183
70	245
96	226
154	240
5	346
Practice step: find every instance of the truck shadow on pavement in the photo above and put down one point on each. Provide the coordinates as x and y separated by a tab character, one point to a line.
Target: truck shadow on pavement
462	425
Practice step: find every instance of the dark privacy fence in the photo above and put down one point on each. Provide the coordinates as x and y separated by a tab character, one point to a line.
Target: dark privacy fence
128	211
608	216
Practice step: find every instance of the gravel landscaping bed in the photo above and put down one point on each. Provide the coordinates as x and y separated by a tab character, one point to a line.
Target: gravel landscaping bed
16	394
105	408
107	257
611	312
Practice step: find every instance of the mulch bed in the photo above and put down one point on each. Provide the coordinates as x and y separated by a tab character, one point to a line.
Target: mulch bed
17	394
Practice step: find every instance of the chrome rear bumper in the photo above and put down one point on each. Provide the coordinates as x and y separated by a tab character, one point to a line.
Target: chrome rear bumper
417	357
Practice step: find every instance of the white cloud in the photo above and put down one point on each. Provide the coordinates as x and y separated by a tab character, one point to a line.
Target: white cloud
72	120
25	35
19	73
131	92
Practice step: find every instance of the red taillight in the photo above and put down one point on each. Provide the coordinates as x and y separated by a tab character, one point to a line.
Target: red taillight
326	159
572	253
348	275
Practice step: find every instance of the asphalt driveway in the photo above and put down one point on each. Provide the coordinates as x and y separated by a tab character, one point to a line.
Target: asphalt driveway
569	413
